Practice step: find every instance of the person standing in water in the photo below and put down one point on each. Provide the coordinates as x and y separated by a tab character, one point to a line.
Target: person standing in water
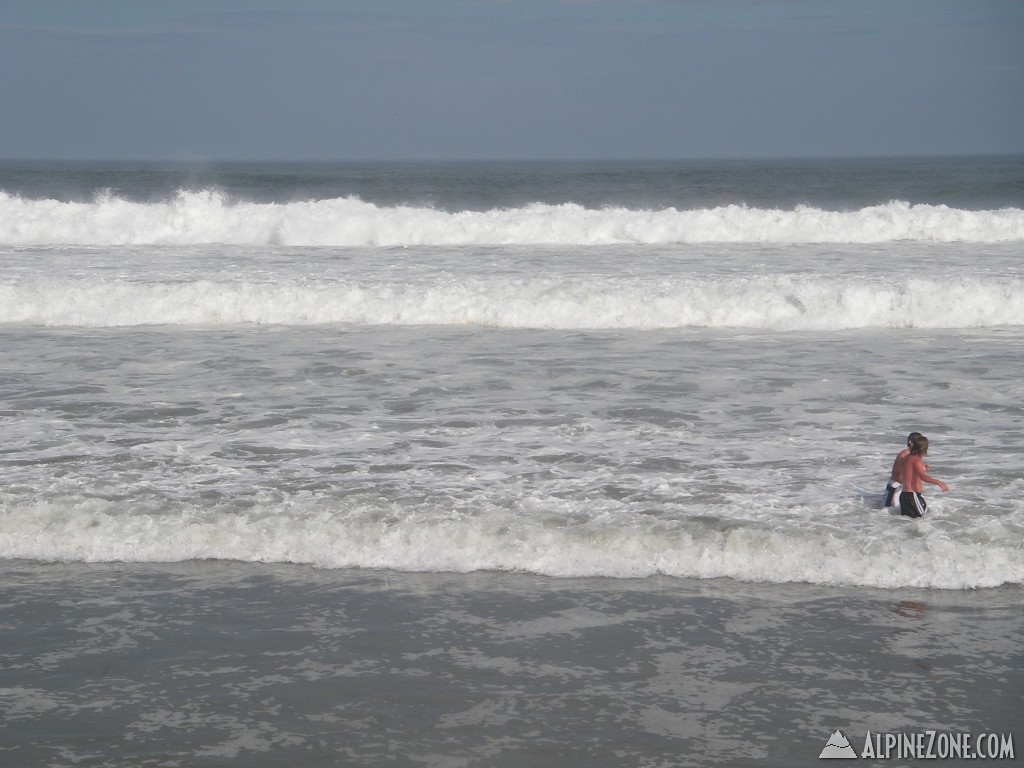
895	484
914	476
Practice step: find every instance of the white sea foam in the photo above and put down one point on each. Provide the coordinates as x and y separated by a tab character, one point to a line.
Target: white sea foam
564	542
753	456
195	217
787	302
381	422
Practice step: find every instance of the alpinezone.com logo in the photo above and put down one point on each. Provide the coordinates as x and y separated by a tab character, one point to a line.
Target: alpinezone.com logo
925	745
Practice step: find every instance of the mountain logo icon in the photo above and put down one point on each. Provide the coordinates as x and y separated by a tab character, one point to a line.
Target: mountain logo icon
838	747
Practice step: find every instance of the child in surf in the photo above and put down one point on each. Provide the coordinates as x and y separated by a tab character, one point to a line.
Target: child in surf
895	484
914	476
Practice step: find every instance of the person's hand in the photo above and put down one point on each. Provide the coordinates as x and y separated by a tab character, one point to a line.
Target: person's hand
943	486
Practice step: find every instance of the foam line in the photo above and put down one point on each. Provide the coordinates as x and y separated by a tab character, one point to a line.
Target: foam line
198	217
783	303
97	531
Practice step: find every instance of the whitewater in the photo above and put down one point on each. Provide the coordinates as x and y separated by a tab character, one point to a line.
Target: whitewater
572	289
208	216
565	371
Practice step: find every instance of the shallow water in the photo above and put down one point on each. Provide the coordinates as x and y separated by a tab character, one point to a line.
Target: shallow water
215	663
572	454
589	458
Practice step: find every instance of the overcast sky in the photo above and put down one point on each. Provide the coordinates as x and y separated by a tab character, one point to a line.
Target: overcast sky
509	79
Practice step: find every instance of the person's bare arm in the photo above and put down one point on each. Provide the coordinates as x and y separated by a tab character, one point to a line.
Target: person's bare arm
934	480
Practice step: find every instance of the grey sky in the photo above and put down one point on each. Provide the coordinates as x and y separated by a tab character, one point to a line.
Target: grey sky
479	79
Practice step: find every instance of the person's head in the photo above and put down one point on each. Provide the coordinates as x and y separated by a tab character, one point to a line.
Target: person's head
912	437
919	446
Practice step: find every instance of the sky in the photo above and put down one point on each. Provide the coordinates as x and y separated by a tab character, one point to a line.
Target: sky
354	80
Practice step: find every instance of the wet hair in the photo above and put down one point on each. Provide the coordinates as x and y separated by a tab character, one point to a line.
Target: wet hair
912	437
919	446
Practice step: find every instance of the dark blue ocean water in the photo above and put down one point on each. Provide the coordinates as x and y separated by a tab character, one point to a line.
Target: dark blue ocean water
971	183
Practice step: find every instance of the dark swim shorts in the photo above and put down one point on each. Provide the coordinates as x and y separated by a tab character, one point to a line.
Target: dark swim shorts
912	504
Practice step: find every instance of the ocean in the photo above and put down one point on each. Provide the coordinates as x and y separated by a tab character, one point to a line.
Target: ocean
497	464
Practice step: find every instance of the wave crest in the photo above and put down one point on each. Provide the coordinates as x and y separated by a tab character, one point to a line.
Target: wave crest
311	530
206	216
783	303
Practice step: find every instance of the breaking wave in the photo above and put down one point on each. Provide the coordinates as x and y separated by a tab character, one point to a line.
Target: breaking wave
782	303
314	530
198	217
